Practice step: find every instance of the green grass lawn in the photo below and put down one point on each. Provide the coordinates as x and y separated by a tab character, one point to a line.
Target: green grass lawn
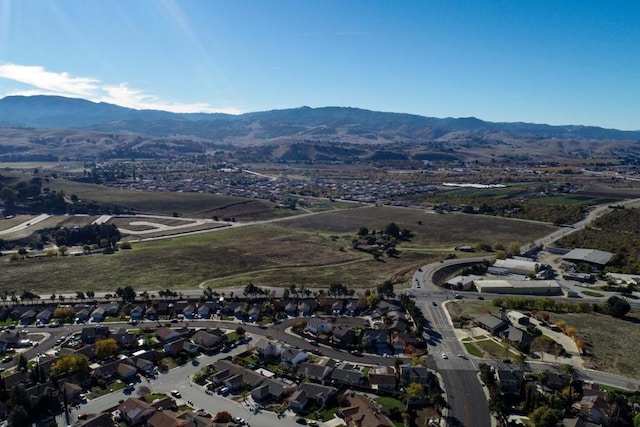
491	347
592	294
472	349
390	402
329	413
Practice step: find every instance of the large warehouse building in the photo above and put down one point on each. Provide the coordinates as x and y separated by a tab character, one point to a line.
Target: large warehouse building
520	287
591	256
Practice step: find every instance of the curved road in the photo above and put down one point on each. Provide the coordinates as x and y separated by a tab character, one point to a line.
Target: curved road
467	404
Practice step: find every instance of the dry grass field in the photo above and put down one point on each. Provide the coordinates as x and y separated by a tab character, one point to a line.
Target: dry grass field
292	251
611	342
435	230
191	205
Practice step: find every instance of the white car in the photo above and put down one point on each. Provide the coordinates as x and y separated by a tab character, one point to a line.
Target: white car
444	356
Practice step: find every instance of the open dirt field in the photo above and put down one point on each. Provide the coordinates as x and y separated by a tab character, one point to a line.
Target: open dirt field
190	205
314	251
436	230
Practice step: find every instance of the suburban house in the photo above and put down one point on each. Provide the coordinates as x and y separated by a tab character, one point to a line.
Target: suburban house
82	315
189	311
593	408
307	307
44	316
135	411
363	412
206	340
508	380
28	317
318	325
518	337
268	390
266	348
98	315
316	371
376	338
136	313
254	313
415	374
343	335
113	370
165	334
308	392
491	323
347	376
382	382
293	355
151	313
175	346
125	339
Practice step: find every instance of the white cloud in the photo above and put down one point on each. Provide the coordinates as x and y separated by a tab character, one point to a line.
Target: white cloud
62	83
45	82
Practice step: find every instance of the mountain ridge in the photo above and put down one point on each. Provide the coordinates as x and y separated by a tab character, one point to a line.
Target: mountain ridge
46	111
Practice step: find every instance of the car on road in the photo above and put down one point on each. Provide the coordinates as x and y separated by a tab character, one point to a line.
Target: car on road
239	420
302	421
462	356
457	296
176	393
434	303
316	351
7	359
313	423
444	356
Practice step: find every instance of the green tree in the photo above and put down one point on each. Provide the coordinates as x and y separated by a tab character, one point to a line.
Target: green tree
18	417
106	348
69	364
386	289
63	250
363	231
22	362
544	417
617	307
392	230
128	294
414	391
373	300
252	290
338	289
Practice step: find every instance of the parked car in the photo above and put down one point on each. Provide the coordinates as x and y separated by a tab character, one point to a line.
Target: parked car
176	393
302	421
444	356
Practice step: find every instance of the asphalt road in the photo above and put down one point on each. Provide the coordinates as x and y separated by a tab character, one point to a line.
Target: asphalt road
467	404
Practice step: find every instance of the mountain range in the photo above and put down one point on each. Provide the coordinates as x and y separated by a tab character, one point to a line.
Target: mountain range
343	124
52	128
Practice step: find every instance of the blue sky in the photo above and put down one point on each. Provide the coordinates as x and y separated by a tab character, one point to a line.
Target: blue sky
557	62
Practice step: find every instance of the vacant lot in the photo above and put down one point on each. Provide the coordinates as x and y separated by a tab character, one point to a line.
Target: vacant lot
192	205
430	229
297	251
611	342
